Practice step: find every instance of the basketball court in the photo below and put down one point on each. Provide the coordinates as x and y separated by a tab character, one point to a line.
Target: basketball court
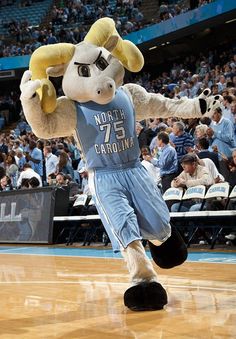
74	292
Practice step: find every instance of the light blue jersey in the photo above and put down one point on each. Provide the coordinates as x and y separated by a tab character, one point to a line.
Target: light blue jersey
128	201
107	132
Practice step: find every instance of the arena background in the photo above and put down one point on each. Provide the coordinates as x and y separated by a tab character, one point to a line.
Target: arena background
206	31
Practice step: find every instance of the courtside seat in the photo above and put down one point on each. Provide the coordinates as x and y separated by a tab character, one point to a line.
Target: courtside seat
233	193
231	203
173	193
218	191
217	198
195	192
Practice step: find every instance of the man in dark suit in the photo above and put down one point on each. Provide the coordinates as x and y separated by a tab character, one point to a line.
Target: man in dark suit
145	135
203	147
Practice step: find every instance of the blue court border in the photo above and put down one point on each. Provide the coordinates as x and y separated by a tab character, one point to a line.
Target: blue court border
207	257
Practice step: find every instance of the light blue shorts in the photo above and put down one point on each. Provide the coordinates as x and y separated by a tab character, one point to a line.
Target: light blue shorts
130	205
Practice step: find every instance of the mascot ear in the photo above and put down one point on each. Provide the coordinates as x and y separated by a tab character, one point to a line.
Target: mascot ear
40	61
125	51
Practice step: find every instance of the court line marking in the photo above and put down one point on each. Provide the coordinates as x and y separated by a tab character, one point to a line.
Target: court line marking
85	282
13	249
210	260
202	260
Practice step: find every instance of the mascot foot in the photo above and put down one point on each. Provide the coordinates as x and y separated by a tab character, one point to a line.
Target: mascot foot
145	297
171	253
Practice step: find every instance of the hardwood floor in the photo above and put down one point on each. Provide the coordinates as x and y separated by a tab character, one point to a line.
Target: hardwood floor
74	297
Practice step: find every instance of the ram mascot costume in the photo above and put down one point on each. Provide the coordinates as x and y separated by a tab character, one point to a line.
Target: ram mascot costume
101	113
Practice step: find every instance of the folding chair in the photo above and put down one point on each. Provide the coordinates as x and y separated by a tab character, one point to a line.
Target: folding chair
195	193
90	226
218	193
172	195
231	206
232	195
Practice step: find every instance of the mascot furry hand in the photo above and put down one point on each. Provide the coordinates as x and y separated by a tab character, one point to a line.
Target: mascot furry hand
102	114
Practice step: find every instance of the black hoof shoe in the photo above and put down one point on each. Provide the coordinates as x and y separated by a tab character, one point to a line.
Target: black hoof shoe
145	297
171	253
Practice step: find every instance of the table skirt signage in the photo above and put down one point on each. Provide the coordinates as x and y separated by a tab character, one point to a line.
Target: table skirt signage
27	215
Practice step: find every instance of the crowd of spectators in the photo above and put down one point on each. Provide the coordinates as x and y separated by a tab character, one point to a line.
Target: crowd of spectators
172	150
71	20
69	23
215	69
21	3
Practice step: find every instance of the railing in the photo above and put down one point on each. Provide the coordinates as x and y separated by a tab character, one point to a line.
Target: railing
194	221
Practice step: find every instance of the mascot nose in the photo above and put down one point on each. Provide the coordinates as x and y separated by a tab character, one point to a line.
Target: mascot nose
105	89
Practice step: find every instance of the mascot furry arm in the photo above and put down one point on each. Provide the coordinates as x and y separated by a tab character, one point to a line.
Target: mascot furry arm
101	113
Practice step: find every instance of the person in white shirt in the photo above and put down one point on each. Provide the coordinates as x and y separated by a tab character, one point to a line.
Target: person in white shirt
84	182
28	173
51	160
146	162
215	174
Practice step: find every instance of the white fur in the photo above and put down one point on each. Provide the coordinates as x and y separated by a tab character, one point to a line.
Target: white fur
100	87
139	265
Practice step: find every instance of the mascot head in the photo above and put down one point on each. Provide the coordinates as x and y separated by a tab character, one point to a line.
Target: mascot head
91	70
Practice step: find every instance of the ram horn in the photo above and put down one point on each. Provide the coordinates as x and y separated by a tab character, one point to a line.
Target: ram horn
42	58
125	51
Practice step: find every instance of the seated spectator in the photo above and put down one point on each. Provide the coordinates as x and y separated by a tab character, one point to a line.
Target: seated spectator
154	171
193	174
2	164
74	186
64	164
35	157
227	112
24	183
180	140
144	135
205	121
22	126
228	168
12	169
201	131
63	180
28	173
74	151
3	145
217	176
167	161
5	183
51	179
84	183
51	161
20	160
33	182
204	152
159	127
191	126
221	133
2	172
